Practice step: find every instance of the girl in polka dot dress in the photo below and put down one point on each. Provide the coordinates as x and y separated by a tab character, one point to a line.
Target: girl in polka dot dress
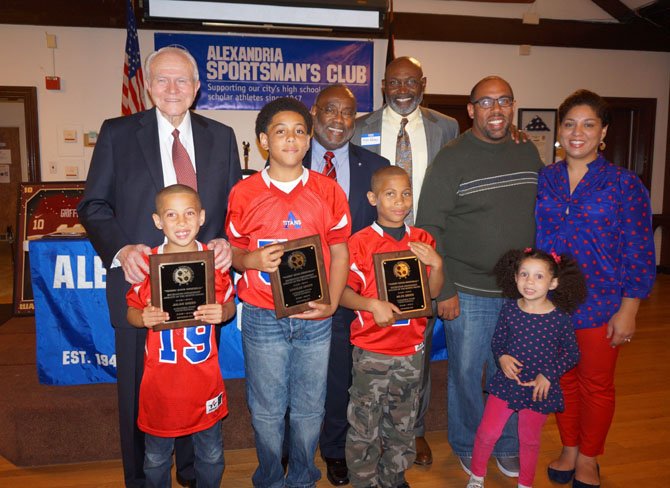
534	344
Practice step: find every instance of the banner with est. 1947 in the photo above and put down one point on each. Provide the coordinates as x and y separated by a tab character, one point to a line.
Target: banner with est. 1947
75	339
245	72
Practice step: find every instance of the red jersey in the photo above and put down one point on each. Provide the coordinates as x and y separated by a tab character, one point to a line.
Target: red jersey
404	337
259	213
182	390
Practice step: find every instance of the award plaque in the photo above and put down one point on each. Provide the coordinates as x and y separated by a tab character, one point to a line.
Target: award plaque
301	277
402	280
180	283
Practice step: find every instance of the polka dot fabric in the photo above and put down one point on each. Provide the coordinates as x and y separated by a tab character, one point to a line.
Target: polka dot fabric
606	225
543	343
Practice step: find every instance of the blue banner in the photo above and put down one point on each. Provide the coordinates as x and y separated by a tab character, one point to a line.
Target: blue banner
245	73
75	339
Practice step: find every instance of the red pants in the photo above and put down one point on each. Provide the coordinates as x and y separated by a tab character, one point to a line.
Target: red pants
588	390
496	414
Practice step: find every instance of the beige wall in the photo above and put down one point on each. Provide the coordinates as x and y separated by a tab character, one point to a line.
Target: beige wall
90	63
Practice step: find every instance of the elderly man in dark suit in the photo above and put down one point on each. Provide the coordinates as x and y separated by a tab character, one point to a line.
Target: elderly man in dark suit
334	113
425	131
134	158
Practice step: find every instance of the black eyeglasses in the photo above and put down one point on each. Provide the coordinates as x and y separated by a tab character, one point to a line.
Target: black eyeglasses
488	102
332	111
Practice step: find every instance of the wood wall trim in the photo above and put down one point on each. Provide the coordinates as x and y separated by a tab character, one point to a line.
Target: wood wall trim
637	36
617	9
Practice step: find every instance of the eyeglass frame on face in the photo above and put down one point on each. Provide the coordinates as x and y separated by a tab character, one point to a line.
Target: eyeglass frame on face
494	101
410	83
333	111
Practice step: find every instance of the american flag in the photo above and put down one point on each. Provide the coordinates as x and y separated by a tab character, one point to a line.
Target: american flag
132	98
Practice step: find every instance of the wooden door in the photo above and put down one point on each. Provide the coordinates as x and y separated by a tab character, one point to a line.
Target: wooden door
10	176
630	136
452	105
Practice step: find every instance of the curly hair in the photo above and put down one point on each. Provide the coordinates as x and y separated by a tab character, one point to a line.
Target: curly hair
283	104
586	97
571	289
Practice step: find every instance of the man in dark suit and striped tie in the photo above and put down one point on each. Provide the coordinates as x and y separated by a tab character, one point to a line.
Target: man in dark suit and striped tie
135	157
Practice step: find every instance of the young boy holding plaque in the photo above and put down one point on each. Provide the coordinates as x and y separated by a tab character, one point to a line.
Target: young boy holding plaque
388	350
286	359
182	391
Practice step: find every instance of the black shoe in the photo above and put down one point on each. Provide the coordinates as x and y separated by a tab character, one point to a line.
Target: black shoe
560	476
580	484
337	471
185	482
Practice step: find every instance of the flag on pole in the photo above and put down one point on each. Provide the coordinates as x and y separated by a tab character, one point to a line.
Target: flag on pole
132	98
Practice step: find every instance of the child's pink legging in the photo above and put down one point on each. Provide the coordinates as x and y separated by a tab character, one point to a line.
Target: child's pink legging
495	417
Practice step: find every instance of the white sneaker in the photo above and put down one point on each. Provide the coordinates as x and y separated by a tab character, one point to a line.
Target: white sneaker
509	466
475	482
465	464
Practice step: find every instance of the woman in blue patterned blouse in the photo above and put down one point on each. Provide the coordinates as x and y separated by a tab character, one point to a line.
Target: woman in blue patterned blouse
601	214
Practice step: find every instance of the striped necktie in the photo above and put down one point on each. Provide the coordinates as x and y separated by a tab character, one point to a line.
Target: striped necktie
183	167
329	167
403	159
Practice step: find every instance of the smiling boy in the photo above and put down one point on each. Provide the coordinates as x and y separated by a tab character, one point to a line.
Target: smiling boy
388	353
182	391
286	359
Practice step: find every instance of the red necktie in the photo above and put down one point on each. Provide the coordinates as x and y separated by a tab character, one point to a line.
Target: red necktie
183	167
329	167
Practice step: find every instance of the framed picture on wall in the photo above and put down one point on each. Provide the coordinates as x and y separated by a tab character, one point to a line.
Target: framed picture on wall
540	125
46	210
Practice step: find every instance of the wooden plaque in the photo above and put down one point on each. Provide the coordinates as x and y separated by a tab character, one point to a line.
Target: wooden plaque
301	277
402	280
180	283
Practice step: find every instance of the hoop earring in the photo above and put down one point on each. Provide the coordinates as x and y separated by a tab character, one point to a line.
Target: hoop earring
602	145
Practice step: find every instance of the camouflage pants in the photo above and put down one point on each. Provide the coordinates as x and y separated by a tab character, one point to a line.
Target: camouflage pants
383	404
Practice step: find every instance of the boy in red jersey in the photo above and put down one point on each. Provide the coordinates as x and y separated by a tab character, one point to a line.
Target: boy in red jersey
286	360
388	354
182	391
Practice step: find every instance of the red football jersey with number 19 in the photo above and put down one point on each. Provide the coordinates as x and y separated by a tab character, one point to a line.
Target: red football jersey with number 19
402	338
182	390
259	213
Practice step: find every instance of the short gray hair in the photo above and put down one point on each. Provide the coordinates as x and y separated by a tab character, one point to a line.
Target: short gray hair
171	49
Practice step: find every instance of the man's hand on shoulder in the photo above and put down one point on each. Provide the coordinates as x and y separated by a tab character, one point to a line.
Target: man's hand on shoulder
223	255
132	261
518	136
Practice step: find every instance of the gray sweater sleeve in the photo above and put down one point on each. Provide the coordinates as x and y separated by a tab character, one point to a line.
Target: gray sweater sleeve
437	199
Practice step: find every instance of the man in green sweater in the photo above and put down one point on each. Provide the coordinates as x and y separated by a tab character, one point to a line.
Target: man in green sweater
478	201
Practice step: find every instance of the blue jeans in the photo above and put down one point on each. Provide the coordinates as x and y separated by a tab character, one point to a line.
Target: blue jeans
469	348
208	446
286	362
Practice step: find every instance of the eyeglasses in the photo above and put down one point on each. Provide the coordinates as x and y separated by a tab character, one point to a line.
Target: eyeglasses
333	111
488	102
410	83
